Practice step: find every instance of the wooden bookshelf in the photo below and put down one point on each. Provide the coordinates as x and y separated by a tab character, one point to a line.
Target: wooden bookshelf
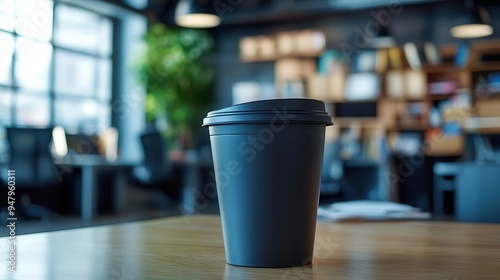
363	121
392	114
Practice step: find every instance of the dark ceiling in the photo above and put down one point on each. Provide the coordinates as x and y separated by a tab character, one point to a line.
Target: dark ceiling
239	12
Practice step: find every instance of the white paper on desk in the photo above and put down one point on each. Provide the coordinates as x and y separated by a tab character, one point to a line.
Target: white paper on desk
370	210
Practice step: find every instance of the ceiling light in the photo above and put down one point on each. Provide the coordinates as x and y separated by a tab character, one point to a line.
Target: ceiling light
383	39
195	14
476	25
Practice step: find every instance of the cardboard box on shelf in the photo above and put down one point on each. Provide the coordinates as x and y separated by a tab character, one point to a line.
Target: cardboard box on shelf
258	48
388	111
438	144
294	69
310	42
248	48
329	88
456	114
317	87
394	83
415	84
307	43
266	47
285	43
488	107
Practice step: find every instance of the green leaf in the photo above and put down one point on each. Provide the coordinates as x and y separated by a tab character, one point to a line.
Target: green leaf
176	79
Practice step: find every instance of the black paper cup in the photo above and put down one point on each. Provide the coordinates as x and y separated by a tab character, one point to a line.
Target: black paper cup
267	159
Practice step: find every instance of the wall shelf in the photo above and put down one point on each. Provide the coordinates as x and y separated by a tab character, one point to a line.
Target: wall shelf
485	67
364	121
404	100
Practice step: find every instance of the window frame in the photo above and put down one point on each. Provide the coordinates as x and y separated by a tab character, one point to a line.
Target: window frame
51	94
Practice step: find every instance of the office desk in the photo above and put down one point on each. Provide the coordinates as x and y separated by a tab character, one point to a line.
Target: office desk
192	190
90	166
192	248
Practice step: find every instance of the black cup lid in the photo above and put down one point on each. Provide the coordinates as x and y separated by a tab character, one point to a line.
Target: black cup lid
294	110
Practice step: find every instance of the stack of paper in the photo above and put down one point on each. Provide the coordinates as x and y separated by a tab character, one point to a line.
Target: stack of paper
370	210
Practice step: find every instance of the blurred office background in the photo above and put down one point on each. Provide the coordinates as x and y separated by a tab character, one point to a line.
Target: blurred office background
101	102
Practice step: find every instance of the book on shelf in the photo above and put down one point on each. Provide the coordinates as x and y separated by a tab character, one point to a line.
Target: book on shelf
382	57
412	56
395	58
462	56
432	55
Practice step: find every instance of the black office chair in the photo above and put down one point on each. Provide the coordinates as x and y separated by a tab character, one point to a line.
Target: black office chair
445	174
30	157
156	173
331	173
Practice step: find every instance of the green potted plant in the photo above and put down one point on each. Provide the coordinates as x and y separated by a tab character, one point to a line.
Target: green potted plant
178	83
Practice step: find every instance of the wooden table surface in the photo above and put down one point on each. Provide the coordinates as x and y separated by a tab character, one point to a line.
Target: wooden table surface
192	248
